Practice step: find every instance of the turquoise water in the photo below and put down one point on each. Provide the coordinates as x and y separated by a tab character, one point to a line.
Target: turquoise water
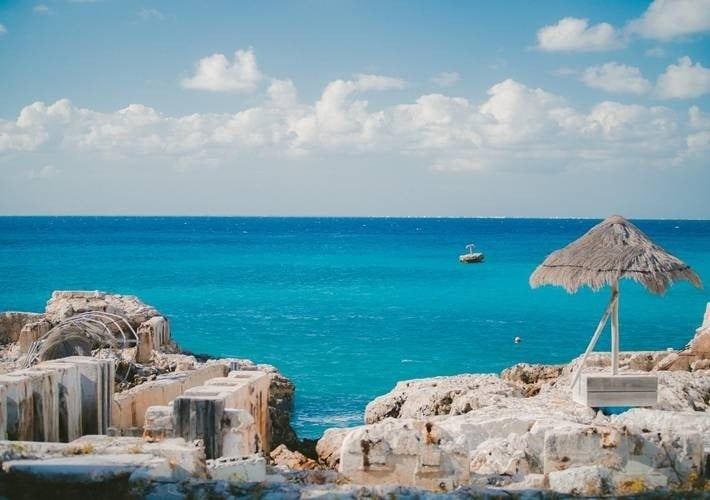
347	306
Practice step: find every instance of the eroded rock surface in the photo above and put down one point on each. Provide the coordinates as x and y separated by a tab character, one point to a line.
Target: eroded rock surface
440	396
65	304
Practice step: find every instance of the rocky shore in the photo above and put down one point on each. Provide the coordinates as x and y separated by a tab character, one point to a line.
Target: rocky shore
185	426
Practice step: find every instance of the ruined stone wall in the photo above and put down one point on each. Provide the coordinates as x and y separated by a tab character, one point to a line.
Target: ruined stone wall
11	324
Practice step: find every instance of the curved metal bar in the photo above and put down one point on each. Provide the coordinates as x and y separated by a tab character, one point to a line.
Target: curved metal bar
95	326
110	317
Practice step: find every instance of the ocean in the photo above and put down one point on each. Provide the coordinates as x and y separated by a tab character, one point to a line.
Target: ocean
346	307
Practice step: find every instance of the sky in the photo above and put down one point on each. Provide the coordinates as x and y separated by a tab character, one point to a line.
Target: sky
355	108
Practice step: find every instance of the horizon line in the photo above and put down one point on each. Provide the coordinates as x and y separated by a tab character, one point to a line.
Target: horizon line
175	216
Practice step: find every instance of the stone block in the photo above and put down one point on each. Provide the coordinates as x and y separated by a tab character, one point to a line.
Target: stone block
3	412
248	469
591	480
239	435
574	447
158	327
32	332
406	452
86	476
45	401
144	349
19	406
188	458
69	392
128	407
96	380
11	324
158	423
259	386
200	417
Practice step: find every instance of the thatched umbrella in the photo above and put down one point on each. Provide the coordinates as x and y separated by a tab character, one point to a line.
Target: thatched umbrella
612	250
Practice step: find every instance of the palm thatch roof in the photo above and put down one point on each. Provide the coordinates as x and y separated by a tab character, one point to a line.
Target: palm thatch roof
611	250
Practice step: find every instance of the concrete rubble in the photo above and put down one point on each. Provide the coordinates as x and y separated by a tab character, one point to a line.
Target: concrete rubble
148	422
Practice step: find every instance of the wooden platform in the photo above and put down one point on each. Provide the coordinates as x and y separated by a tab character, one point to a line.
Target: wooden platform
599	390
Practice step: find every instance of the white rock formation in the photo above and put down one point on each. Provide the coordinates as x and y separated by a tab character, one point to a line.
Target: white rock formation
65	304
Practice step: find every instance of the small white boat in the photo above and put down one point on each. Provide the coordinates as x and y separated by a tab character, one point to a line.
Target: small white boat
471	257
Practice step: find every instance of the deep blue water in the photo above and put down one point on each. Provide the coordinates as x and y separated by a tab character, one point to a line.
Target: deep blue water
348	306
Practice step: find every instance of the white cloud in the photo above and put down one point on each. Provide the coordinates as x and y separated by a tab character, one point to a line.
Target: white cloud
631	122
683	80
668	19
514	127
516	113
698	119
3	29
446	78
571	34
378	82
147	13
217	74
41	9
617	78
698	142
283	93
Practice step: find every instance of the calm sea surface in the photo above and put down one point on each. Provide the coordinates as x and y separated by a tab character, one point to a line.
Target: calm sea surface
346	307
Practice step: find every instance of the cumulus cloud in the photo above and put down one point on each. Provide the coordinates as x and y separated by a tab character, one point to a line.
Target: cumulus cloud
513	126
446	78
698	119
571	34
3	29
668	19
41	9
683	80
617	78
378	82
218	74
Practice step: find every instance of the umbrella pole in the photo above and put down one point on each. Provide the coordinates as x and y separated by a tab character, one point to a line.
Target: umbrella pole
595	337
615	329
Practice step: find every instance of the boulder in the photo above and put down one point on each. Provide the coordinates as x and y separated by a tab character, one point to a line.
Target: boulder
328	447
406	452
65	304
683	391
440	396
531	377
292	459
591	480
11	324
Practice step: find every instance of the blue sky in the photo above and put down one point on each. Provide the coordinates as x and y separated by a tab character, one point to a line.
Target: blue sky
355	108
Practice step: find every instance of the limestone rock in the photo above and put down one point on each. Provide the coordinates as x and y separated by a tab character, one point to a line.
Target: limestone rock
11	324
281	400
503	456
65	304
251	469
683	391
531	377
439	396
292	459
700	364
407	452
328	447
590	480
